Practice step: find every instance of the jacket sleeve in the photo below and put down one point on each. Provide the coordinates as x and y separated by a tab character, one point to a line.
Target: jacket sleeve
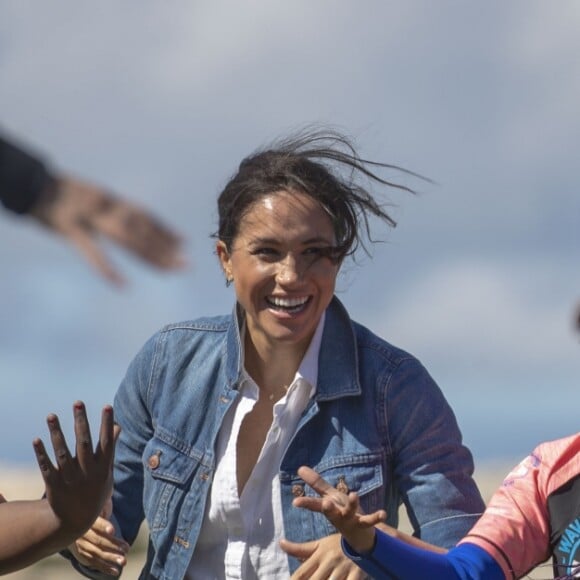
433	469
132	413
22	178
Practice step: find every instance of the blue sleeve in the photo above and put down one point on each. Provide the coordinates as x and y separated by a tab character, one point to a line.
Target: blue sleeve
394	559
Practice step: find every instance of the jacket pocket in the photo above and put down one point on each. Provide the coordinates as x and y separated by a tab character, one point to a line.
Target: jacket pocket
361	473
168	470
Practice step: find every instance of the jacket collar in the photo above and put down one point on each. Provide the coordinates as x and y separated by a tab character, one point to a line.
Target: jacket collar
338	363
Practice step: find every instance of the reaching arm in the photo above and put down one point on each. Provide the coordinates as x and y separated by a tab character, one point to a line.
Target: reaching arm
83	213
76	489
386	552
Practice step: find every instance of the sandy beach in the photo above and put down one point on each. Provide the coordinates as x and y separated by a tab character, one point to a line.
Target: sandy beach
18	483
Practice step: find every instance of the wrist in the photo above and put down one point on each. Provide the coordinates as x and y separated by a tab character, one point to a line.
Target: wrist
45	200
61	531
364	541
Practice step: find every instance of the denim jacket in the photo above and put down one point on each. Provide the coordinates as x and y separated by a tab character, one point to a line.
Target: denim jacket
378	424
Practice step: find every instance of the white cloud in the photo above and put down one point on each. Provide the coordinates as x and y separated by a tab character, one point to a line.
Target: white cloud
160	100
489	314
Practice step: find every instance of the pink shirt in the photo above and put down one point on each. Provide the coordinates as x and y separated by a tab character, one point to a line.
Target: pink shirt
527	521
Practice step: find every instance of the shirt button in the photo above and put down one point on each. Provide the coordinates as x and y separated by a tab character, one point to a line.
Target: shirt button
153	461
297	490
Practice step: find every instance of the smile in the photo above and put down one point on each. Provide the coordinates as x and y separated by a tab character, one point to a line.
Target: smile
290	305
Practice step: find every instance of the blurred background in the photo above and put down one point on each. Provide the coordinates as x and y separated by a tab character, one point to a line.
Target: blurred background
160	101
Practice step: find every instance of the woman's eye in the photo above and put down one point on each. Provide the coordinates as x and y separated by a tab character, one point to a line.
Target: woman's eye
321	251
265	252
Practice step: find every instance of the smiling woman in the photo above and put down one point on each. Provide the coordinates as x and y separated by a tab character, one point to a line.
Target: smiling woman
218	414
283	268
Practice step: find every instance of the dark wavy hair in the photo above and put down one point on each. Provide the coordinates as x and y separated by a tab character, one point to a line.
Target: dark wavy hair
321	163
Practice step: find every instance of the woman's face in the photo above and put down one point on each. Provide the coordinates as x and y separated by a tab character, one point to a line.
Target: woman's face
282	267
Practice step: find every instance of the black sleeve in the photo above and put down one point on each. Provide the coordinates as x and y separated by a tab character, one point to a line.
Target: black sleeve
22	178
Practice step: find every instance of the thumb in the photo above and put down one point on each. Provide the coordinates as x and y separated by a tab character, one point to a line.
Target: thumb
301	550
116	432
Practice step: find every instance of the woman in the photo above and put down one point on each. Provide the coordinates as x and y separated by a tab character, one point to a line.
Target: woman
218	414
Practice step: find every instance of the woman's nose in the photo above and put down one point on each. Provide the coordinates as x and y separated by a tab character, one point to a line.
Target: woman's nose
288	271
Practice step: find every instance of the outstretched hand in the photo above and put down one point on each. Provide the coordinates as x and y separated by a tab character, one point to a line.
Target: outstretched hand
78	487
82	212
342	510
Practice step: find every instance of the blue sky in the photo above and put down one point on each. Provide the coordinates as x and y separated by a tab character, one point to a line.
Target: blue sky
160	101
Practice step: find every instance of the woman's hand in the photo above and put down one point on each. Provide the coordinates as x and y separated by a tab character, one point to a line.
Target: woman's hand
322	559
100	549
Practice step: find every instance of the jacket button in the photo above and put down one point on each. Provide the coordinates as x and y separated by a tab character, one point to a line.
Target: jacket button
297	490
153	461
341	485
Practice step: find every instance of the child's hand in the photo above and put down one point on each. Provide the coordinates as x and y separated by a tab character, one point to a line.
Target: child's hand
342	510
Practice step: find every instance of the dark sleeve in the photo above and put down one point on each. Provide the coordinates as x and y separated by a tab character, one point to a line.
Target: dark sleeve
392	558
22	178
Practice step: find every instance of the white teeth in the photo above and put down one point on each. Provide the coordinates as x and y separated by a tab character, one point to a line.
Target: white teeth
287	302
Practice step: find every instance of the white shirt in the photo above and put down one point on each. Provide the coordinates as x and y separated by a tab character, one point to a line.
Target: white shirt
239	537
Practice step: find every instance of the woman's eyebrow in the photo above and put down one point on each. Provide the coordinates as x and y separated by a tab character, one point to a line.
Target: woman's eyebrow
264	241
319	240
275	241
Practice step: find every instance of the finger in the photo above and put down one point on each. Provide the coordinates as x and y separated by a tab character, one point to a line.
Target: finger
95	545
85	556
2	499
44	463
331	510
88	557
84	444
326	572
107	435
116	432
314	480
355	573
313	504
103	527
306	570
93	255
374	518
302	550
104	541
140	233
64	460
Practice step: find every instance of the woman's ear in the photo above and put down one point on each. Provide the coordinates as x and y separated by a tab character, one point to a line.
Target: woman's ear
225	260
